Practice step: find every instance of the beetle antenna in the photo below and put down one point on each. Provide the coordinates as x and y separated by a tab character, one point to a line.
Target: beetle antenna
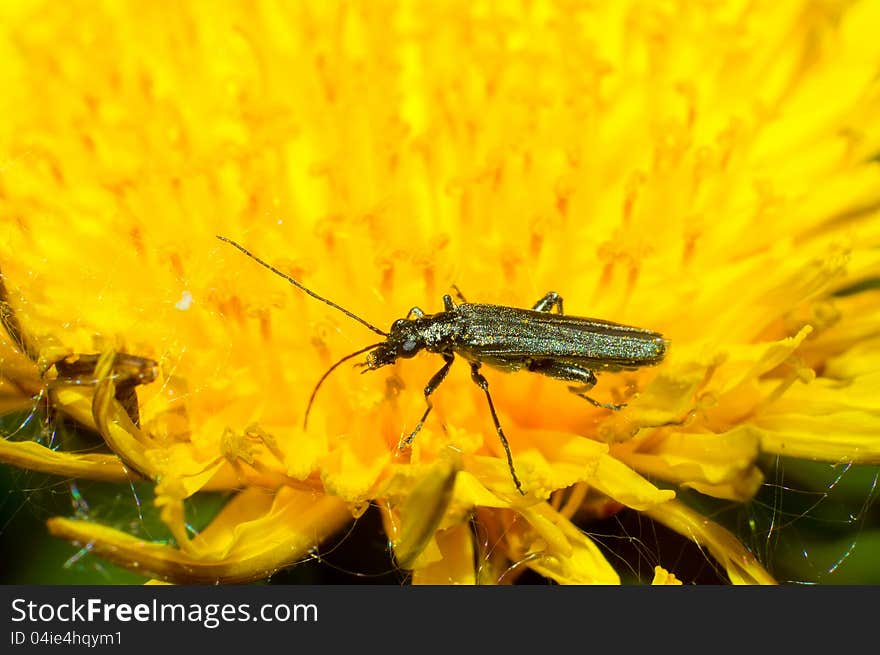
327	373
301	286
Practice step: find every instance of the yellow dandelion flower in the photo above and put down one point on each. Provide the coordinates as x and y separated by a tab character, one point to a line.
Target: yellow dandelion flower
704	170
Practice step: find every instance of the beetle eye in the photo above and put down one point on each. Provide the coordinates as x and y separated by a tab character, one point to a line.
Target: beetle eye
409	346
398	324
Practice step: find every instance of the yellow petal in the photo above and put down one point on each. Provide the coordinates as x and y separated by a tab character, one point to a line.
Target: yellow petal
254	536
618	481
456	562
664	577
561	551
122	436
742	567
422	512
33	456
723	465
827	420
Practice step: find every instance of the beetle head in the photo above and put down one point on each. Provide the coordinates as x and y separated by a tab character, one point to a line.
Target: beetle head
404	341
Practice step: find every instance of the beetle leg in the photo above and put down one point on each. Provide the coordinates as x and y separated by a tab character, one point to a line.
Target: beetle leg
448	305
481	382
432	385
548	302
459	294
415	311
571	373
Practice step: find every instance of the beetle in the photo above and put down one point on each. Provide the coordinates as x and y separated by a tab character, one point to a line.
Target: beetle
128	371
538	340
